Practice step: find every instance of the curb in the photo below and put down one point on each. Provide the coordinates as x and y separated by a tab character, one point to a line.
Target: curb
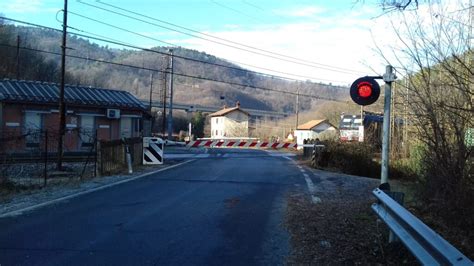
50	202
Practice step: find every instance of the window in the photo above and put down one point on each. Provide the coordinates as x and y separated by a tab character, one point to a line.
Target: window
126	127
137	122
32	129
86	132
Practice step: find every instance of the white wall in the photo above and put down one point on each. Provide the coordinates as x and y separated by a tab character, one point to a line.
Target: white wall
233	125
313	133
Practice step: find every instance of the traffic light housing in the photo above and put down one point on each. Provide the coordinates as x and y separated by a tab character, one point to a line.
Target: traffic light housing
365	91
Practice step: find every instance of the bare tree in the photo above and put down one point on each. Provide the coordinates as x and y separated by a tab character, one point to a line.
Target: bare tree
436	59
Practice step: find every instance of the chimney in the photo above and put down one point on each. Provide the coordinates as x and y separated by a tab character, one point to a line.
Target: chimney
237	104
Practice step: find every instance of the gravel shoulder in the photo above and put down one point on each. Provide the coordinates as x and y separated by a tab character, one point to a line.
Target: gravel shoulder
341	228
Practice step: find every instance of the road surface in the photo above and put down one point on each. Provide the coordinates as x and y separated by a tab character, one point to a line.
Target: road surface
227	208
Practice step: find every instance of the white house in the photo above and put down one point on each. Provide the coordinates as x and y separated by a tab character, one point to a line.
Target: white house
313	129
230	123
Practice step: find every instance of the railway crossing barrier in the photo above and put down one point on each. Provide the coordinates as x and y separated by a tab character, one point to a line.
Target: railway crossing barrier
152	150
239	144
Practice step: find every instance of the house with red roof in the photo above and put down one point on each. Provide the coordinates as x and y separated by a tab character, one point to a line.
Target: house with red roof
30	108
230	123
313	129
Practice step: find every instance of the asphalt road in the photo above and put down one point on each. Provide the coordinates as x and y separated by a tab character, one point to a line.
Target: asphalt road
225	209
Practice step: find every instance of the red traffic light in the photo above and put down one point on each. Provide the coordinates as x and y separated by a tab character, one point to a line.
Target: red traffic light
365	91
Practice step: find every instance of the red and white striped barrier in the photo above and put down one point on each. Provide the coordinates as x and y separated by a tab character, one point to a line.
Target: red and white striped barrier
239	144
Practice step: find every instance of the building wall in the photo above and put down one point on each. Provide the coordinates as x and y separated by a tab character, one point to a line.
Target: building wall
232	125
26	119
217	127
314	133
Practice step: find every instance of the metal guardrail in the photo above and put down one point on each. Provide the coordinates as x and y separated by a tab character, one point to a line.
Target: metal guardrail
427	246
312	145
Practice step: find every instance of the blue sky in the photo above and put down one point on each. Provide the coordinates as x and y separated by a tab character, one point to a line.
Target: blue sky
339	34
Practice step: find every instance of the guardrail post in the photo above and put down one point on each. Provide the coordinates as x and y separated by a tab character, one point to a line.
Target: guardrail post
98	168
45	157
313	156
128	157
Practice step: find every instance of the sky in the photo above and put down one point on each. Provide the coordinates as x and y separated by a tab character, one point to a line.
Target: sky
323	41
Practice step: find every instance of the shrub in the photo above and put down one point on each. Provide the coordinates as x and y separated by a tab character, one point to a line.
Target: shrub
355	158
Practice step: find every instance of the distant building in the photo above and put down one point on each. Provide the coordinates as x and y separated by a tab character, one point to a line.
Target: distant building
313	129
28	108
230	123
351	128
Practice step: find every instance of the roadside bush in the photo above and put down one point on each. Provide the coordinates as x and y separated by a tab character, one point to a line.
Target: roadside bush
362	159
355	158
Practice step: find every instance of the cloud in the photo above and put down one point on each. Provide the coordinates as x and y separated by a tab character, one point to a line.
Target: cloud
343	41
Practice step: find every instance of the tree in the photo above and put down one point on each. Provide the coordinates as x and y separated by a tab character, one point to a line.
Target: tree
198	121
438	89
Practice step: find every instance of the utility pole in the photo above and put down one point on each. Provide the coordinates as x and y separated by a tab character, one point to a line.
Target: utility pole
388	77
18	57
170	113
62	108
163	116
297	107
150	103
151	90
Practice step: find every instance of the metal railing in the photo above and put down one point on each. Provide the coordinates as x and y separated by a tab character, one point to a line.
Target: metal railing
424	243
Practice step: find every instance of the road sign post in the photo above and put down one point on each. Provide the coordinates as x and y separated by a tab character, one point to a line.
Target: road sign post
366	91
388	78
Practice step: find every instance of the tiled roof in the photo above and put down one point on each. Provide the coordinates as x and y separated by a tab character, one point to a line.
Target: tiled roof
42	92
228	110
311	124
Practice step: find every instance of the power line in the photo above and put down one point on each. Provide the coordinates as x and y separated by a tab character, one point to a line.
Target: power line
253	5
209	63
117	42
114	41
235	10
269	53
123	29
178	74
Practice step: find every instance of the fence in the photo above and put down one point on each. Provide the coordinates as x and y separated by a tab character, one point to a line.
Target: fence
29	157
111	155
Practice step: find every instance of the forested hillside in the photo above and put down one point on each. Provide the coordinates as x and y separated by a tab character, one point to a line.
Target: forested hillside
194	80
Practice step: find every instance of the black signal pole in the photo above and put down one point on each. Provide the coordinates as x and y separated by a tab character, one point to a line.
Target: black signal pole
62	108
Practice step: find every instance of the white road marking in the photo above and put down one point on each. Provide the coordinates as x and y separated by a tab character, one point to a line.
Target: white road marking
315	199
179	155
311	189
20	211
309	183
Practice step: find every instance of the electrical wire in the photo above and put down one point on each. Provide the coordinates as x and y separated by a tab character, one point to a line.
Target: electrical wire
116	42
269	53
235	10
174	73
175	45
